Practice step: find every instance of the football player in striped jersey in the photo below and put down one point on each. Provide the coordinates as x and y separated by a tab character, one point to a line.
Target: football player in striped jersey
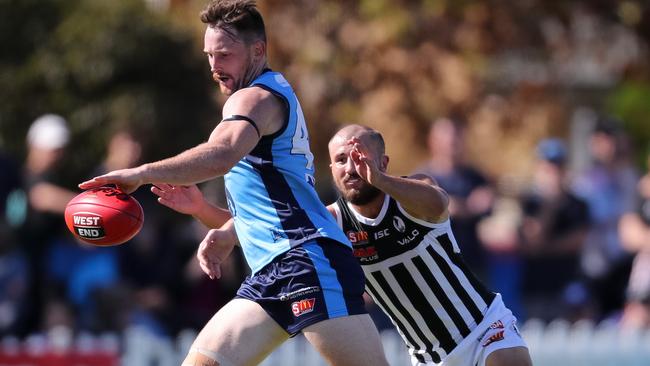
401	234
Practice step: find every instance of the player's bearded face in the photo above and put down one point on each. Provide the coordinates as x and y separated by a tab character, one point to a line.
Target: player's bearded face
351	186
230	60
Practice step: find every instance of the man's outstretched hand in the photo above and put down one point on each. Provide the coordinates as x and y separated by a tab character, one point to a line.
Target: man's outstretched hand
184	199
128	180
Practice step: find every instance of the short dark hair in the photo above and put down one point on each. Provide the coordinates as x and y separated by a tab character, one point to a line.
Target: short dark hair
240	16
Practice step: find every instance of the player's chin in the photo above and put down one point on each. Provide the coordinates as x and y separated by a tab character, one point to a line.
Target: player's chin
225	90
361	196
351	195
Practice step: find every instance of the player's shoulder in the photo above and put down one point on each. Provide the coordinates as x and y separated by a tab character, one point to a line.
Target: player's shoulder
252	93
253	98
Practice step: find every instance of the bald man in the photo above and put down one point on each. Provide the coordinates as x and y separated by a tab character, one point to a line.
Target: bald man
401	234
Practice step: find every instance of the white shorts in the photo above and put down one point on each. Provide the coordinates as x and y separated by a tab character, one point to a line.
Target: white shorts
498	330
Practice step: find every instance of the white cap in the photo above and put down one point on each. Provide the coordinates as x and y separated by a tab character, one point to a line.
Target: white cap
49	132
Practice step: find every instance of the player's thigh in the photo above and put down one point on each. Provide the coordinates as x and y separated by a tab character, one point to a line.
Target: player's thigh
351	340
514	356
240	333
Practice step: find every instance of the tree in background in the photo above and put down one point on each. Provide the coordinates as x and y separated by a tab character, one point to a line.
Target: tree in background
105	66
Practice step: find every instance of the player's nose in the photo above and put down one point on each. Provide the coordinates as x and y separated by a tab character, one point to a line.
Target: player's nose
349	167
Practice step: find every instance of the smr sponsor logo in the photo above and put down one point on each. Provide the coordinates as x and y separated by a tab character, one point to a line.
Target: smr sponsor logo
303	306
356	237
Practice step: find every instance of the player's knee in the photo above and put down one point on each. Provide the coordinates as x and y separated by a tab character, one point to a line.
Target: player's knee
200	358
515	356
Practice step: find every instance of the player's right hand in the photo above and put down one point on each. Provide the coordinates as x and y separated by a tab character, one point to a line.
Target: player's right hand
128	180
214	250
184	199
364	165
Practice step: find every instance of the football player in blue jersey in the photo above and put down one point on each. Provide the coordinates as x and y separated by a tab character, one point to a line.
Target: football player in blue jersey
304	278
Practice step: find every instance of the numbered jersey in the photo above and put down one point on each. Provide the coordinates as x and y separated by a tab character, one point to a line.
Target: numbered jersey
415	273
271	191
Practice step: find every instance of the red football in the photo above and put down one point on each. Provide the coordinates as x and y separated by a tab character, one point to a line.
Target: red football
104	216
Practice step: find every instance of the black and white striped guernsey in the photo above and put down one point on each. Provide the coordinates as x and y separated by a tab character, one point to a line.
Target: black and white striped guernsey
415	273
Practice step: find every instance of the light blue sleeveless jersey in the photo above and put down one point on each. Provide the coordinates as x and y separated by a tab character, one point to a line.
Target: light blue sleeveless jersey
271	191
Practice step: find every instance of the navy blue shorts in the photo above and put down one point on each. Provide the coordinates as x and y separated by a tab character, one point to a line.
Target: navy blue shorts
317	280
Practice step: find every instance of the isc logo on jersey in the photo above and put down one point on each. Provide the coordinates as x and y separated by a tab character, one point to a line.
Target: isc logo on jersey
303	306
88	225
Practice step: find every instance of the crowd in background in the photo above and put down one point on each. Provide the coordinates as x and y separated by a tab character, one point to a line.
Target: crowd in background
563	245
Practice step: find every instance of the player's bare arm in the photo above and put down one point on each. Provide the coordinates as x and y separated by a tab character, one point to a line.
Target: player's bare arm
418	194
229	142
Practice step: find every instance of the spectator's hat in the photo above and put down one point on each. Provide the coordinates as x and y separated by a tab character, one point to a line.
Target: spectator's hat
48	132
608	125
552	150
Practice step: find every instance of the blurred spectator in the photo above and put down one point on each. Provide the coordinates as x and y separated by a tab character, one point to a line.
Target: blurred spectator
470	194
10	183
79	271
608	187
46	200
200	296
552	233
197	295
46	139
143	264
635	236
498	233
14	270
123	151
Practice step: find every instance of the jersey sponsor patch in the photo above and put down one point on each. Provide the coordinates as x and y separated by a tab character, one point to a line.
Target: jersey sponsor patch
300	292
357	237
366	253
303	306
498	336
497	325
399	224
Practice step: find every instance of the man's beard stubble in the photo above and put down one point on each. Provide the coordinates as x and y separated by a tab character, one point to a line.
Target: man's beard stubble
362	196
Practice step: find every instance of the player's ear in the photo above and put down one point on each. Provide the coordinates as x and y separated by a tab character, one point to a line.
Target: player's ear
384	163
259	49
